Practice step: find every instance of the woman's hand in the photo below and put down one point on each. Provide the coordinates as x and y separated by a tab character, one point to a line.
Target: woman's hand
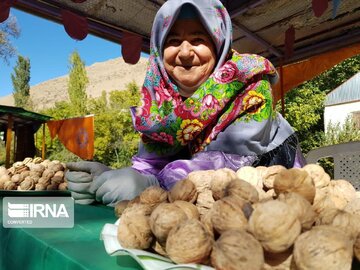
122	184
80	176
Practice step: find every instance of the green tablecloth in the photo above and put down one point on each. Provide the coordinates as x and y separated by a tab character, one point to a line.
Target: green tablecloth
66	249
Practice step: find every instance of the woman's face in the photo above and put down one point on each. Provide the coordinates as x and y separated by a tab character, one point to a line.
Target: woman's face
189	55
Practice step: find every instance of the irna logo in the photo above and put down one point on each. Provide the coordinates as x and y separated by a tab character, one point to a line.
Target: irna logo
33	210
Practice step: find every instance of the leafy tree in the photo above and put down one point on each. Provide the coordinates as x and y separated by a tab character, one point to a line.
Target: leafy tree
78	81
8	29
304	105
347	132
20	80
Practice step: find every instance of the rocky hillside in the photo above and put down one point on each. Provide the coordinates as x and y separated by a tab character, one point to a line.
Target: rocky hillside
110	75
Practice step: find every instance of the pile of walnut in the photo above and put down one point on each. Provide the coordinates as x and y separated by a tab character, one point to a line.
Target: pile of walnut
255	218
33	174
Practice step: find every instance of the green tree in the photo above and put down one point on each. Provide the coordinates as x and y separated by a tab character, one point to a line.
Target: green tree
78	81
20	80
8	29
304	105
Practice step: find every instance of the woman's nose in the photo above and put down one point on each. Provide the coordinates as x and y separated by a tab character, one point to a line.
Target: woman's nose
185	49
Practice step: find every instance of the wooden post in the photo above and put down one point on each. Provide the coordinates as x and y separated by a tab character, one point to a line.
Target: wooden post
8	140
282	88
43	143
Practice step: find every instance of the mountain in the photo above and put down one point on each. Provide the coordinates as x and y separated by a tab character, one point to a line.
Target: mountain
110	75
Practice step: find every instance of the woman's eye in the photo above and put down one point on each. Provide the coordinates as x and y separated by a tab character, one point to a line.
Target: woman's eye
173	41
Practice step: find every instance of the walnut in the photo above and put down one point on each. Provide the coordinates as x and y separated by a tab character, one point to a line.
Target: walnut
52	186
237	249
204	202
189	209
251	175
44	181
269	174
63	186
25	174
153	196
295	180
343	190
323	248
227	214
27	184
352	207
39	168
58	177
183	190
201	179
9	185
55	166
120	207
302	207
134	228
47	173
206	221
275	225
39	187
320	177
242	189
347	222
17	179
189	242
163	218
3	170
3	179
221	178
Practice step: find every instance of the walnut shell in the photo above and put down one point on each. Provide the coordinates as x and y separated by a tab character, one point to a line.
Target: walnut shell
63	186
27	184
204	202
159	248
189	242
343	190
251	175
17	178
163	218
120	207
357	248
347	222
269	174
317	173
323	248
242	189
189	209
202	179
302	207
58	177
221	178
47	173
279	261
52	186
44	181
183	190
275	225
227	214
237	249
9	185
134	227
153	195
3	179
352	207
295	180
39	186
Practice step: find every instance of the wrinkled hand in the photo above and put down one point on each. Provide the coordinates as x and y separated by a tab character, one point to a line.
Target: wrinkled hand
122	184
80	175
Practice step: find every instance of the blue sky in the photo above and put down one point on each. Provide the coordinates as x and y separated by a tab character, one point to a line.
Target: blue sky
48	47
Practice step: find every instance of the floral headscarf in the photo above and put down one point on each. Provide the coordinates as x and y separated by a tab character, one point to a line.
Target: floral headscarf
238	89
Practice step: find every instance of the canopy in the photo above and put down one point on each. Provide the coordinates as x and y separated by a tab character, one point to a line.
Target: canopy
284	31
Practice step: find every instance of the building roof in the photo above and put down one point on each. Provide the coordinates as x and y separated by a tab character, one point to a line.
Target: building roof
259	26
20	117
347	92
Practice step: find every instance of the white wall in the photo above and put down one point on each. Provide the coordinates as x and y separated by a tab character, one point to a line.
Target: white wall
338	113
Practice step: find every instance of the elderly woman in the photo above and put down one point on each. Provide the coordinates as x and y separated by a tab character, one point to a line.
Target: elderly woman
204	106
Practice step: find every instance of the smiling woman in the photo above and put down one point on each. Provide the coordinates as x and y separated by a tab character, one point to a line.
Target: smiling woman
204	107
